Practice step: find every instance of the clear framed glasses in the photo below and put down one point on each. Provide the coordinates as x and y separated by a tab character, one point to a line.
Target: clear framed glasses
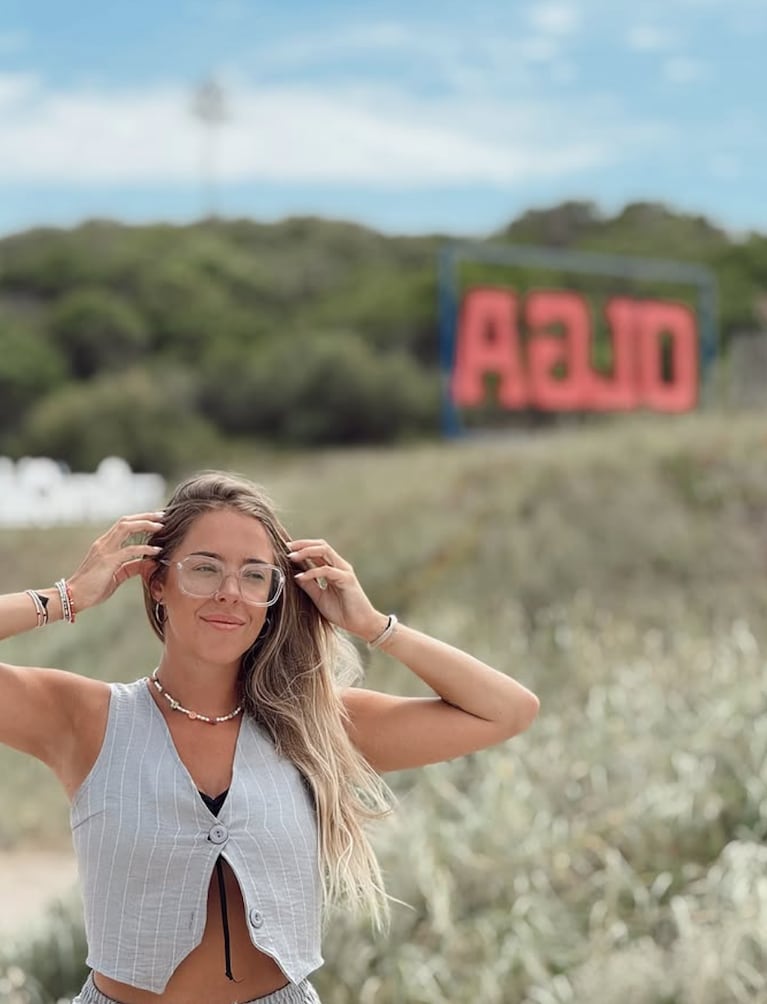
199	575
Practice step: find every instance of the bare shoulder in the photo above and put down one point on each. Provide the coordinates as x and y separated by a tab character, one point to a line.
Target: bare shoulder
54	715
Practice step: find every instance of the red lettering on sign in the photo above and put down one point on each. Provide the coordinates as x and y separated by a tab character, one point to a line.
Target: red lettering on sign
558	375
488	342
675	322
619	391
570	389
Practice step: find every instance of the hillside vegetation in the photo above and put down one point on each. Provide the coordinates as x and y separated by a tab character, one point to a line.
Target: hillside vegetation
162	343
615	852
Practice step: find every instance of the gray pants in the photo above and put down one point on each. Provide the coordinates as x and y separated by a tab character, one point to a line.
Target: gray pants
293	993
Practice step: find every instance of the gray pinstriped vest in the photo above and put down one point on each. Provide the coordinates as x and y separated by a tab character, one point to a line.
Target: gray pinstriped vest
146	846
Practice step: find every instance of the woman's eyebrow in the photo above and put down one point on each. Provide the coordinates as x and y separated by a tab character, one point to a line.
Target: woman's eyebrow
220	557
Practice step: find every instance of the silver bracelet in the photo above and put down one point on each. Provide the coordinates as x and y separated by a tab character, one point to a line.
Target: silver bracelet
386	634
41	606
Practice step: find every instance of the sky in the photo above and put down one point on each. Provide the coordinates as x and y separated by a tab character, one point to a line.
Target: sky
411	117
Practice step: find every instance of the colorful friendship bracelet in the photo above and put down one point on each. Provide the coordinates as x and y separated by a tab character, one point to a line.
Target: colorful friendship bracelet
65	595
72	610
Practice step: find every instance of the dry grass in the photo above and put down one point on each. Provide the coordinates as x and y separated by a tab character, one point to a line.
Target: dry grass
613	853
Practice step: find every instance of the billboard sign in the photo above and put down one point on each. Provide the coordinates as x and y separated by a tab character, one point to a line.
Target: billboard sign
538	347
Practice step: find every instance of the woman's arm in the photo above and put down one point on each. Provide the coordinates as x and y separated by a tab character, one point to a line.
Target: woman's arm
475	707
19	614
41	709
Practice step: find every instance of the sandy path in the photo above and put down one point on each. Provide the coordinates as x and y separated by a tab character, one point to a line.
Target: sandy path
29	880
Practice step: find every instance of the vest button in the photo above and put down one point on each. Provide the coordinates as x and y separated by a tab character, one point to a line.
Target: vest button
218	834
255	917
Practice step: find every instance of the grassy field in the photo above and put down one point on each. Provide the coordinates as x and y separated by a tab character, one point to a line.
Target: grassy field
615	851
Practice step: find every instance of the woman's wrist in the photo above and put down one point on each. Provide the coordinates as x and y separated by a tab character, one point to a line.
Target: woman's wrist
48	606
372	628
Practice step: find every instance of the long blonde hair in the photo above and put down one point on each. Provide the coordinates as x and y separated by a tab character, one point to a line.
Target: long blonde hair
290	681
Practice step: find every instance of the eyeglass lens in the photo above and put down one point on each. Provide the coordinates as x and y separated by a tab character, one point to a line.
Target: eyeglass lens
201	576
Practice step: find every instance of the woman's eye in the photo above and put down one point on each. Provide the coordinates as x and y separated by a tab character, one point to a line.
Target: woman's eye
205	569
255	575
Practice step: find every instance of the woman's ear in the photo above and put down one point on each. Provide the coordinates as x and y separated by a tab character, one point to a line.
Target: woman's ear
154	585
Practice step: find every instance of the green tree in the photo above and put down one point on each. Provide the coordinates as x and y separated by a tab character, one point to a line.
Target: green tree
148	418
98	330
323	388
30	367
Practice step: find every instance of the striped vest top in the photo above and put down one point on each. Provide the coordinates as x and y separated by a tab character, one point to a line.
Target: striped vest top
146	846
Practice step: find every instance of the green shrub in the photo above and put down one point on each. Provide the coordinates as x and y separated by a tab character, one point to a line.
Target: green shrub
187	309
148	418
30	367
46	965
98	331
323	388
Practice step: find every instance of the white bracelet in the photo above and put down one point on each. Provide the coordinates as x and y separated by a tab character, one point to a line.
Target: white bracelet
66	607
386	634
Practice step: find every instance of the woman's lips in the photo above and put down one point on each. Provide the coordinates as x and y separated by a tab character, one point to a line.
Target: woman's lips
223	623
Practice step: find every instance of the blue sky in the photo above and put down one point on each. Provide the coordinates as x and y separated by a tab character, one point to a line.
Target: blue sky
410	117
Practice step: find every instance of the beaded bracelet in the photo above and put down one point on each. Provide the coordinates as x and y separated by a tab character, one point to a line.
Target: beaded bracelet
72	610
386	634
65	595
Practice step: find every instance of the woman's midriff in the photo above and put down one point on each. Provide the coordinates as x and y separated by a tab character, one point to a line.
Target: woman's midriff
202	974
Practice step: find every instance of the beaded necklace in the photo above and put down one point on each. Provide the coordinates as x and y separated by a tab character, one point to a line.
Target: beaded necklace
194	715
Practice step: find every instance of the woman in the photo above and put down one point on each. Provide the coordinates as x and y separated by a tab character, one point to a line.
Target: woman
219	804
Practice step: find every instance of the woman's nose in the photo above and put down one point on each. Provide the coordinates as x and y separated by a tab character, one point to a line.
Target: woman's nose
230	586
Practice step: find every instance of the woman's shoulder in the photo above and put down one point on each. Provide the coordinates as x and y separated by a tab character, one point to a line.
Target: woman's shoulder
100	703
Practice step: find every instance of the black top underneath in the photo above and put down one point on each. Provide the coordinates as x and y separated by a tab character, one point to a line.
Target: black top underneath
214	803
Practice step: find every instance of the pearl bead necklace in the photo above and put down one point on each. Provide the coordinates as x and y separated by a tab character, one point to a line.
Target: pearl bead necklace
194	715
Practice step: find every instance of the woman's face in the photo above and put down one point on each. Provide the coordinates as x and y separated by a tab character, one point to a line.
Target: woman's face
221	627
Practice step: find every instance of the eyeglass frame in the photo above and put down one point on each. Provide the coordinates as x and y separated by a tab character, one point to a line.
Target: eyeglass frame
178	565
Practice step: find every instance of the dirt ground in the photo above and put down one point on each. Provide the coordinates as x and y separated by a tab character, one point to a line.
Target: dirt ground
29	881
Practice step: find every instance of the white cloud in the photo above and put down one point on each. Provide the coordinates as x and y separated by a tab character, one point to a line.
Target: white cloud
683	70
433	56
380	37
15	88
289	134
555	18
649	38
539	48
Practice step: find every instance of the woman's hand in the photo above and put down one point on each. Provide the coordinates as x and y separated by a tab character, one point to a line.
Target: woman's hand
331	583
111	559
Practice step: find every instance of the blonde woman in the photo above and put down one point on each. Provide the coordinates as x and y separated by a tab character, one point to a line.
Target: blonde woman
219	803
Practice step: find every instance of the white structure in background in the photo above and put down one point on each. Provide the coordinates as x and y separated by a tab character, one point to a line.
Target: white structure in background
37	491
